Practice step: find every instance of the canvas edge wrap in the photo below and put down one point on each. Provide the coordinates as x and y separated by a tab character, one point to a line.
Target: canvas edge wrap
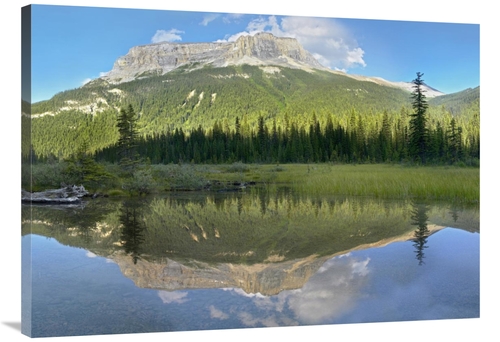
26	160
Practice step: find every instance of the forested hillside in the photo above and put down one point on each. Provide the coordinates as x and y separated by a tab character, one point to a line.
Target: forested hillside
270	107
458	103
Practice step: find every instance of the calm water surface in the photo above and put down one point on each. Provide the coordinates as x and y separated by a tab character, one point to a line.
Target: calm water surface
217	261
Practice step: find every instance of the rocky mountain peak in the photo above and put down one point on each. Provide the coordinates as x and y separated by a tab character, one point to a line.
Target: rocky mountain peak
259	49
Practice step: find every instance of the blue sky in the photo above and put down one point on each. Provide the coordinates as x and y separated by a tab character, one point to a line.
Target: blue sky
71	45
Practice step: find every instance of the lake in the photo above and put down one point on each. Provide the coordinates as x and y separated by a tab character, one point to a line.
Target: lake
203	261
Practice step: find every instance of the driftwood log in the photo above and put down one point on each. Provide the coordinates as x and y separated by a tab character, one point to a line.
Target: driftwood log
66	195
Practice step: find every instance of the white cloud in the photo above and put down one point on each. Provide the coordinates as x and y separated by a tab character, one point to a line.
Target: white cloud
232	17
356	56
226	19
234	37
166	36
322	60
326	38
261	24
87	80
310	27
208	18
329	42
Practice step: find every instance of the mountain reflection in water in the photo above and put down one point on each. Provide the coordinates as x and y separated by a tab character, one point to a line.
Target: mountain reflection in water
253	259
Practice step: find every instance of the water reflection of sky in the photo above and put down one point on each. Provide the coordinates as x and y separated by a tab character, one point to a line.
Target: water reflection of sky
331	292
377	285
173	297
78	292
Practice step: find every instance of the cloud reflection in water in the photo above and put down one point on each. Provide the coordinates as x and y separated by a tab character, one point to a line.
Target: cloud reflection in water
215	313
331	292
173	297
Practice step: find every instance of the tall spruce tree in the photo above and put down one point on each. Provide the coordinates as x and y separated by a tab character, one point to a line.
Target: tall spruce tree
418	135
127	142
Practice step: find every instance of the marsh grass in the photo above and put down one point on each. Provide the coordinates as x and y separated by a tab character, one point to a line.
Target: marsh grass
238	167
457	184
379	181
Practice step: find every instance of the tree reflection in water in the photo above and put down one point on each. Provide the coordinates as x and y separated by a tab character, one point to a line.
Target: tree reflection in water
419	218
132	234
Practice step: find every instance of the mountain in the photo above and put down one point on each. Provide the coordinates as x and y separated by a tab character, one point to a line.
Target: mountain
458	102
149	70
173	85
263	49
268	278
161	58
429	91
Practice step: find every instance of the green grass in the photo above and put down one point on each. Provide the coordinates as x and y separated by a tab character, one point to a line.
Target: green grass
457	184
378	180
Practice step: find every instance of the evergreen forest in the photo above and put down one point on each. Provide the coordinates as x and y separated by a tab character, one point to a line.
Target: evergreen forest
225	115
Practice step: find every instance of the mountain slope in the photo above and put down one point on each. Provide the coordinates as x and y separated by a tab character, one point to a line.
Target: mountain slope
458	102
198	85
192	98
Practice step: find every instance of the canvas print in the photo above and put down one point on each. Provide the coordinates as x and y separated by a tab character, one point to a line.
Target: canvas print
190	171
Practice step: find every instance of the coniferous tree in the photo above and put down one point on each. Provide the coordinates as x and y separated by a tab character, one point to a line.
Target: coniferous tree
385	138
262	139
455	141
83	169
418	135
127	142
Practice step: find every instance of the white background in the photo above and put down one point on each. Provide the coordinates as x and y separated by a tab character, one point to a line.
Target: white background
479	12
